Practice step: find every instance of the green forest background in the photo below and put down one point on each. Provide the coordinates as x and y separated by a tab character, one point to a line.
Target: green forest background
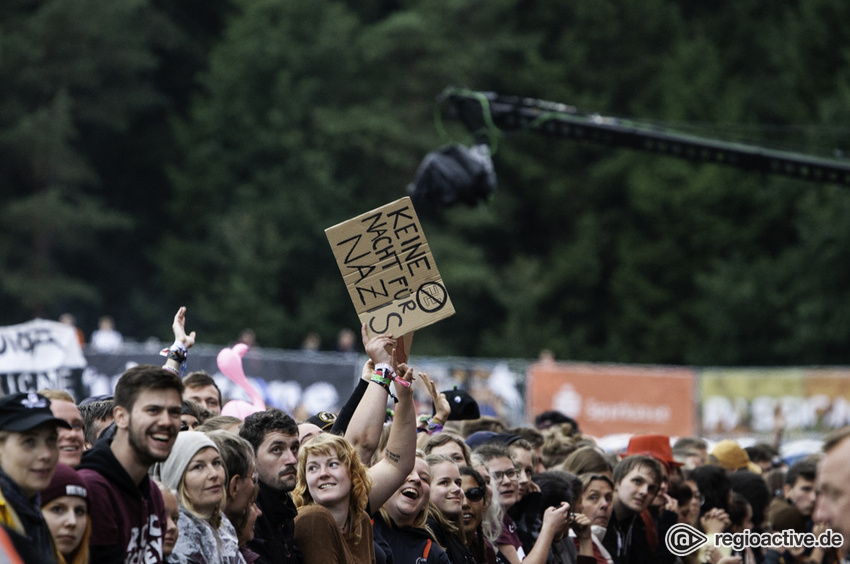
157	153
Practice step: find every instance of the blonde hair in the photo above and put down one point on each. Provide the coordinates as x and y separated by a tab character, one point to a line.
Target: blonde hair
558	444
328	444
491	524
60	395
451	525
443	438
186	502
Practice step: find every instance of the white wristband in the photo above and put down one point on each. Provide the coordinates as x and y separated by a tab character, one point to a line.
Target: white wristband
385	368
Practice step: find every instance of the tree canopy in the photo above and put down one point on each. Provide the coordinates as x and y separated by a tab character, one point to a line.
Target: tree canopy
154	155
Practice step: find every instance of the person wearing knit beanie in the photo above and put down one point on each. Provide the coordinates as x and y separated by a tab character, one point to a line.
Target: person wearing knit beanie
65	506
195	470
188	444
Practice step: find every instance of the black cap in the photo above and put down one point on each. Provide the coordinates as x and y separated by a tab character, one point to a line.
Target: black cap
324	420
479	438
96	399
27	410
462	404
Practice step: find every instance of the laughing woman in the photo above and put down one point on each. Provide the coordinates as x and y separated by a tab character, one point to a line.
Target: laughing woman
402	519
334	488
195	470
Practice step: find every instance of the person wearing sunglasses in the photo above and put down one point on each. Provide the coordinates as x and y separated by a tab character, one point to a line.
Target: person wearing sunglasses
444	509
479	532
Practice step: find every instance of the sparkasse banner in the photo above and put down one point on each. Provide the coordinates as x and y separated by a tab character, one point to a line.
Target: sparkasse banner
611	399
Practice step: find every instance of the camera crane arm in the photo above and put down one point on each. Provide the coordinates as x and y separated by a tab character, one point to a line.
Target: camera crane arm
483	111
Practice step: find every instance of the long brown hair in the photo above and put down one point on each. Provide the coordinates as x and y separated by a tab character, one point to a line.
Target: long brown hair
451	525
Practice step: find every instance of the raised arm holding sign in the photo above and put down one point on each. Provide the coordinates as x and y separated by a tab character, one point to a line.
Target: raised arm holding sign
389	271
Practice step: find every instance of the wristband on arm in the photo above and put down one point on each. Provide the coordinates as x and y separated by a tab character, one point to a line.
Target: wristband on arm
178	353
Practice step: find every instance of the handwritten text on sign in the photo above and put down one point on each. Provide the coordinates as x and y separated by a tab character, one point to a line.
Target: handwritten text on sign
389	271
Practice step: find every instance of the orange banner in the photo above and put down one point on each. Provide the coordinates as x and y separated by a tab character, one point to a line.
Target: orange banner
608	399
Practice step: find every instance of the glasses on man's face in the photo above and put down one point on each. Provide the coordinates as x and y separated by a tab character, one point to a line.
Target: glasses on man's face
474	494
511	474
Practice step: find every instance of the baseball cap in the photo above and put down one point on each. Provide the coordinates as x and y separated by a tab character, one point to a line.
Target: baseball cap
463	405
478	438
324	420
26	410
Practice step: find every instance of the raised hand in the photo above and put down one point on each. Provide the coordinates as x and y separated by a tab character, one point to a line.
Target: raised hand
179	328
376	347
442	408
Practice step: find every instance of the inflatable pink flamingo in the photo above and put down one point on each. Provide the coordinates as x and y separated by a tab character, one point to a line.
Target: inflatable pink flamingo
230	363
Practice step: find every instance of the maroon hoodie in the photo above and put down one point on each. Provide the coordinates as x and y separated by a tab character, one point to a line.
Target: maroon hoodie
128	519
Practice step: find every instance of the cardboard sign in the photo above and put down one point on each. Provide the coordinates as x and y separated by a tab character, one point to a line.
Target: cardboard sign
389	271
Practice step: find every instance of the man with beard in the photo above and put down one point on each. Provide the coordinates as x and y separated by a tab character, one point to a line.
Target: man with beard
636	482
129	517
274	436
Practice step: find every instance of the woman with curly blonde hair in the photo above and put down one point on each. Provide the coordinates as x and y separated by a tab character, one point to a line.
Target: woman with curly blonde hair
331	494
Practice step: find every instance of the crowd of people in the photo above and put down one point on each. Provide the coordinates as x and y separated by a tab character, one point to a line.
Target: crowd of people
154	473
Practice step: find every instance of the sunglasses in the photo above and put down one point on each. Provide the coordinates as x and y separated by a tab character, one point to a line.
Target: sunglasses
474	494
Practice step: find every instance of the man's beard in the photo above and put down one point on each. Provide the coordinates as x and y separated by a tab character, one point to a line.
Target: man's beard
138	444
288	485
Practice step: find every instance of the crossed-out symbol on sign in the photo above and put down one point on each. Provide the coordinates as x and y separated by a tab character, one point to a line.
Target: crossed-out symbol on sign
431	297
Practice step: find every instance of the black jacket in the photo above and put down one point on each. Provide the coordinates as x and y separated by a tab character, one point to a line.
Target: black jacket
455	549
36	542
410	545
626	541
274	531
